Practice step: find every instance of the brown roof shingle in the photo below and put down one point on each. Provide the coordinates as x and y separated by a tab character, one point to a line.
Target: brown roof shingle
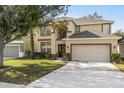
84	34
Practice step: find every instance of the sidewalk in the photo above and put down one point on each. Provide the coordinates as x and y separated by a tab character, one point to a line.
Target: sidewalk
9	85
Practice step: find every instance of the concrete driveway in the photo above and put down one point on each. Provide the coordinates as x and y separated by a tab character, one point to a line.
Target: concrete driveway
10	85
82	75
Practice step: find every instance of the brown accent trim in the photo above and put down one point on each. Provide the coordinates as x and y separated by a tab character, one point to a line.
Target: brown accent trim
44	39
52	32
69	31
110	45
102	28
59	39
73	22
109	28
58	52
79	28
90	24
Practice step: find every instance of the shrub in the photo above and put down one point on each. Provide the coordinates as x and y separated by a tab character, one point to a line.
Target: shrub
122	58
28	54
39	55
115	58
53	56
48	55
67	56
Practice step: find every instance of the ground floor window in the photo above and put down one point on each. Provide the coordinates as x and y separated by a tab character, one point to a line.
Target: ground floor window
45	47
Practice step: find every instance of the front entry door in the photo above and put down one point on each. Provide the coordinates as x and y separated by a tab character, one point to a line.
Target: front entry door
61	50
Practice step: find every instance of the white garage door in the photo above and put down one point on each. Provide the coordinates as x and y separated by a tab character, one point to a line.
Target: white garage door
91	53
11	51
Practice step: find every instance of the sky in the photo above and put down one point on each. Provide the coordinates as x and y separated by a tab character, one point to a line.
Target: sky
111	12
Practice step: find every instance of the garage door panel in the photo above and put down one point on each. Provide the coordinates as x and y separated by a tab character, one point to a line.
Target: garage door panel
11	51
91	52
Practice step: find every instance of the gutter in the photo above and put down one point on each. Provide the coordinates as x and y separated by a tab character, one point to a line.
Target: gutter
116	38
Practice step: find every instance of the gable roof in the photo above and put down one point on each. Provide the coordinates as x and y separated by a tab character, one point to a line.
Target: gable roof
84	34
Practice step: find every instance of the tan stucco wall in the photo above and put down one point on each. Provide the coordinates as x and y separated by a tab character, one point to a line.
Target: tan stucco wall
54	42
121	47
113	43
54	45
94	27
27	44
91	28
71	28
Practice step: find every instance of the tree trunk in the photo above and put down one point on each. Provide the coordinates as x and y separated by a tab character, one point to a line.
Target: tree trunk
1	53
32	44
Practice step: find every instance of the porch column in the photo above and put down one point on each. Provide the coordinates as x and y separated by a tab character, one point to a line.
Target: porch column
53	42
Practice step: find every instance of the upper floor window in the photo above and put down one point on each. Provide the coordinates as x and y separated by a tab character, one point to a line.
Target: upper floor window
106	28
45	47
62	32
77	28
61	35
45	31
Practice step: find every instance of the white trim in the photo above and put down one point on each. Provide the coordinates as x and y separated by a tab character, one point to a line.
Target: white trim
12	45
17	41
19	51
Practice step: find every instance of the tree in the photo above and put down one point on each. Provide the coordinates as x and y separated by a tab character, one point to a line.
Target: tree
93	16
119	33
18	21
61	27
47	14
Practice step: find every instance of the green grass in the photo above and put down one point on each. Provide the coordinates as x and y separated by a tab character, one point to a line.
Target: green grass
26	71
120	65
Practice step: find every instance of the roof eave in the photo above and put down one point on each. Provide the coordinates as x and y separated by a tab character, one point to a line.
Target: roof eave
117	38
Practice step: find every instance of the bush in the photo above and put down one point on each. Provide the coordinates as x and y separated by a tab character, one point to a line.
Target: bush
53	56
28	54
115	58
48	56
39	55
122	58
67	56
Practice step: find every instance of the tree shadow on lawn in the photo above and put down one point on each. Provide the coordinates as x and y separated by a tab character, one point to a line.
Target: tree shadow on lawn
28	73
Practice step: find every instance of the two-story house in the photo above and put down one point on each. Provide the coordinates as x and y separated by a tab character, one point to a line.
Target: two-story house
85	39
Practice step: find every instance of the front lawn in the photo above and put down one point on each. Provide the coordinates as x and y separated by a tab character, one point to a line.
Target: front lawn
120	65
26	71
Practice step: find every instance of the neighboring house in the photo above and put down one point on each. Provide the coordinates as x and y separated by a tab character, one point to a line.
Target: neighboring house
85	40
121	47
14	49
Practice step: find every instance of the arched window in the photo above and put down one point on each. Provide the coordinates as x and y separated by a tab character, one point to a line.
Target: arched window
62	32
